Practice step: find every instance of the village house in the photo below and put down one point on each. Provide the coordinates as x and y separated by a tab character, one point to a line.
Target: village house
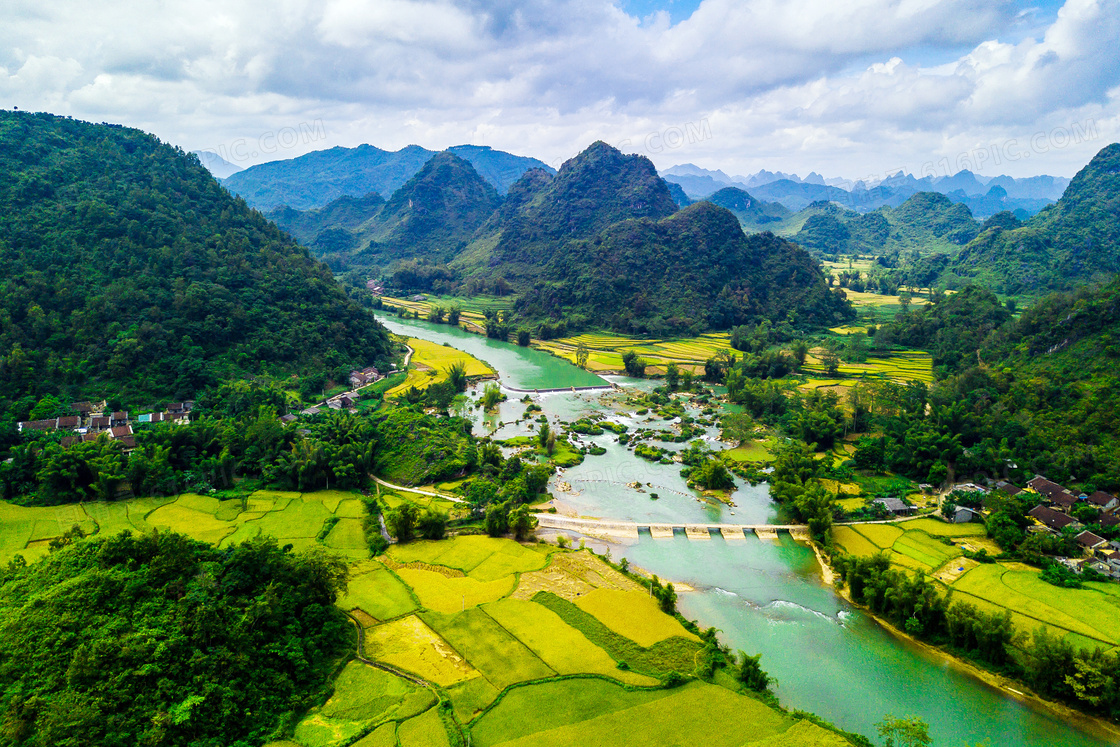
964	514
1052	492
364	377
1051	519
895	506
1008	488
1090	541
1102	501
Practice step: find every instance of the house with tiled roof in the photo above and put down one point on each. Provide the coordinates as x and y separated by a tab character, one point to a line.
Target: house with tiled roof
1102	500
1054	520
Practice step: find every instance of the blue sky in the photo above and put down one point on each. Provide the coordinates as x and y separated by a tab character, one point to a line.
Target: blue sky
856	89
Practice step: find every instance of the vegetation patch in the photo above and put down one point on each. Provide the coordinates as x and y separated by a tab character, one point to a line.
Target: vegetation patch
423	731
377	592
449	595
544	706
676	654
708	714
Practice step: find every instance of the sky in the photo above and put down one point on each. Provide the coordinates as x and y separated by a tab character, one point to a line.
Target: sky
858	89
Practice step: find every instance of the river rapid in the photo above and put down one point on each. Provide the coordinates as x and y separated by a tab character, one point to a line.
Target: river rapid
764	596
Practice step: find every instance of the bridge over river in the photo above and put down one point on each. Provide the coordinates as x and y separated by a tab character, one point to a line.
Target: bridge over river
629	529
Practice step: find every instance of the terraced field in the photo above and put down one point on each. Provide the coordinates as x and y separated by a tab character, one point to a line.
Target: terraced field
995	587
297	519
605	350
513	670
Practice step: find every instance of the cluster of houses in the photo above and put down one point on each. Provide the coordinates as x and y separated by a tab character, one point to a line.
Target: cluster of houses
1055	515
91	421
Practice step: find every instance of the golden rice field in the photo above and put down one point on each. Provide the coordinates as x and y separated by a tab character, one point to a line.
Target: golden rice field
605	350
429	364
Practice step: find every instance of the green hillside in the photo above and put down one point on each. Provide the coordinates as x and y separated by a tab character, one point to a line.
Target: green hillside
927	222
1071	242
127	272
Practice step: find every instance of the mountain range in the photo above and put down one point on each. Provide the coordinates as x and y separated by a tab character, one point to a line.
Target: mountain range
984	196
315	179
602	242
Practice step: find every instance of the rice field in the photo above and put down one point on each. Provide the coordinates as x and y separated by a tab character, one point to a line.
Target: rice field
697	713
429	364
409	644
632	614
605	350
292	518
490	648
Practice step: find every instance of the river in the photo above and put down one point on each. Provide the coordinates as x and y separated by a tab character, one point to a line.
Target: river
828	657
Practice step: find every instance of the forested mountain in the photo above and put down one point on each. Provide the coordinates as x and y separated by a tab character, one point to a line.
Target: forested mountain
316	179
754	215
600	241
926	223
126	271
1074	241
160	639
431	217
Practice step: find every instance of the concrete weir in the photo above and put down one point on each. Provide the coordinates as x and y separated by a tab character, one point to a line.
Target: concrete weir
608	529
697	533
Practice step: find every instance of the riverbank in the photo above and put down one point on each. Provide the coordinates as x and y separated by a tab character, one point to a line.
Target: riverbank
1099	727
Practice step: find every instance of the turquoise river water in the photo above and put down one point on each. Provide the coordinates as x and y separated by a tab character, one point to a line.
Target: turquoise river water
768	597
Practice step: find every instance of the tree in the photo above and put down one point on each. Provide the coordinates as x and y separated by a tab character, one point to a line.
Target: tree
432	524
491	396
581	355
457	376
904	732
751	674
453	316
521	522
736	427
633	365
672	377
497	519
523	338
544	433
401	521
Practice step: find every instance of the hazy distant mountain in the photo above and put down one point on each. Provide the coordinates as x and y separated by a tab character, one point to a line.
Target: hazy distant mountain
218	166
315	179
1025	196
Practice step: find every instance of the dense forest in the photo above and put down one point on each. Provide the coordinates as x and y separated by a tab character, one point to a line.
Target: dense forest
127	272
1037	392
160	639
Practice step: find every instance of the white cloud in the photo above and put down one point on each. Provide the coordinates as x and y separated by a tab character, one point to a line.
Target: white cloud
796	85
